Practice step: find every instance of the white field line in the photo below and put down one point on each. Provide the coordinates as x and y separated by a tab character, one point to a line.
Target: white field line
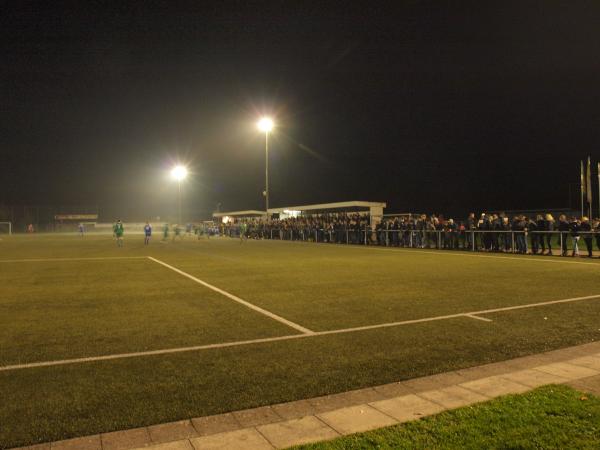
235	298
96	258
470	315
148	353
473	316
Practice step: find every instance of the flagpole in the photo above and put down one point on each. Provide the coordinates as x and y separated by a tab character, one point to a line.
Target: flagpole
582	186
588	185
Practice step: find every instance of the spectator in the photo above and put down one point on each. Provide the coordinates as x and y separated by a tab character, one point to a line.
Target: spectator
586	231
549	222
563	227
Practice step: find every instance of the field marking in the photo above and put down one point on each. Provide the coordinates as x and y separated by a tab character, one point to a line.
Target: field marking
94	258
166	351
473	316
235	298
533	305
470	315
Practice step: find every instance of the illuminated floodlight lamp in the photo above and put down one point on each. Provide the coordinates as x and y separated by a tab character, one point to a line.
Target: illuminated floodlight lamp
265	124
178	173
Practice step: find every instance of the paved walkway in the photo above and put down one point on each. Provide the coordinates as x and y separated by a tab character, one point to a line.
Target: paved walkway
331	416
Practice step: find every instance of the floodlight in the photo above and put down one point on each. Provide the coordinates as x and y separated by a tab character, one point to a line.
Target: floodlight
265	124
179	173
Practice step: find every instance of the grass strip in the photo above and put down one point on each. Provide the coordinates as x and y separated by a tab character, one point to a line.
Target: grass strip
550	417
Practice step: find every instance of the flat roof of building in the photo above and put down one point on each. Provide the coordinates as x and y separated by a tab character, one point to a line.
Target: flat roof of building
246	213
354	204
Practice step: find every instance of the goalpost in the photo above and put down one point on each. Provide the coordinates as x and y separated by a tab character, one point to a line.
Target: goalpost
5	228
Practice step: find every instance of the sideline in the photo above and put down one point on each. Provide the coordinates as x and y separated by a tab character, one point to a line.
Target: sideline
468	315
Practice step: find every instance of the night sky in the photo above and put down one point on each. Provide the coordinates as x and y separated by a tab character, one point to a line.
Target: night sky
429	106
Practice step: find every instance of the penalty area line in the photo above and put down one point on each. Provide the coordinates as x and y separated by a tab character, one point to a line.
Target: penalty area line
235	298
470	315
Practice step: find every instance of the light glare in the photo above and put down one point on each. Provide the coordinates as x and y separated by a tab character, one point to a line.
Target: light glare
179	173
265	124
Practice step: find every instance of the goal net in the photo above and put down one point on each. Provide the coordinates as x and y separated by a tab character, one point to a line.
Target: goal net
5	228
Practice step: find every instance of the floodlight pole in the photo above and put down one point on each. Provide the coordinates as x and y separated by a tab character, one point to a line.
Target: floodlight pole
267	172
179	196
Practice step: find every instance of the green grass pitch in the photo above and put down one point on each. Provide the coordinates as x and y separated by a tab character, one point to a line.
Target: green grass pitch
64	297
552	416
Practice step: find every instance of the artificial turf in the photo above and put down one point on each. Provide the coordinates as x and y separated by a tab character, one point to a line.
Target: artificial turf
326	287
550	417
56	309
72	309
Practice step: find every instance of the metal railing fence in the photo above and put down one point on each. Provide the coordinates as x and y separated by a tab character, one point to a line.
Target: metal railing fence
509	241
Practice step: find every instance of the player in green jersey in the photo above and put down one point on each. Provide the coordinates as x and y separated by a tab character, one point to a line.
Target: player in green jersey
118	231
177	233
243	232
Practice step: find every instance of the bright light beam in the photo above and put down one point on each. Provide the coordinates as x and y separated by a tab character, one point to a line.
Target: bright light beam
178	173
265	124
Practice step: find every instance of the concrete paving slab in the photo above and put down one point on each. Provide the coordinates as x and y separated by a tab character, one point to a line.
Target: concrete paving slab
219	423
294	410
432	382
344	399
82	443
355	419
327	403
127	439
568	371
393	390
172	431
407	407
297	432
175	445
257	416
360	396
591	362
533	378
245	439
453	397
495	386
488	370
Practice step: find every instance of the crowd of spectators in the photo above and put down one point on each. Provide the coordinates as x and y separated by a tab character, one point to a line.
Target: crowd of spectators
542	234
334	228
492	233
